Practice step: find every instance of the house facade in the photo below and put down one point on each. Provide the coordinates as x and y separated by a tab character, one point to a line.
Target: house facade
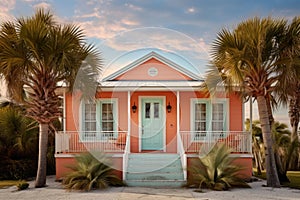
153	119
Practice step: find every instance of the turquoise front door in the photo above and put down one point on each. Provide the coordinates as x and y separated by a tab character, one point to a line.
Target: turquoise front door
153	122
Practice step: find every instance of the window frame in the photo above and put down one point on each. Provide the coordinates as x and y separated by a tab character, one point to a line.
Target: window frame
99	134
114	102
209	116
193	119
83	121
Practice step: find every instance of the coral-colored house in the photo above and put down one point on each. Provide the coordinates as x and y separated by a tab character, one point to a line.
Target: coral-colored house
153	118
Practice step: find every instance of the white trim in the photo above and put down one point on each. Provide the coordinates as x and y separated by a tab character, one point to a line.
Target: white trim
178	117
98	103
209	102
251	114
129	119
115	102
148	57
225	101
151	89
243	116
233	155
163	114
67	155
81	118
64	155
140	123
193	101
64	112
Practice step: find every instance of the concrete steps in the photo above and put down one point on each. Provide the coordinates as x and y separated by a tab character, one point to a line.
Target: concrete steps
154	170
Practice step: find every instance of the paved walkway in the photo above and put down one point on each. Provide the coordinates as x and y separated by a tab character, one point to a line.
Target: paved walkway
55	192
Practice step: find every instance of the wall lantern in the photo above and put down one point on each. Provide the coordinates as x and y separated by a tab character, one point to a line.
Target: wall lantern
169	108
133	108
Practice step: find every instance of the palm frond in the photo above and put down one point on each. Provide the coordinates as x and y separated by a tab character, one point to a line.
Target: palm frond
216	170
91	173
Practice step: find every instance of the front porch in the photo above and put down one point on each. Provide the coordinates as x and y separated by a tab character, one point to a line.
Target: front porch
189	146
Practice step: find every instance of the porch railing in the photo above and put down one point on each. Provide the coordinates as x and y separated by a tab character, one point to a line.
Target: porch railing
202	141
76	142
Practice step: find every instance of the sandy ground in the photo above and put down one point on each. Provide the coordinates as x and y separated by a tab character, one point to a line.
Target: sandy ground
54	191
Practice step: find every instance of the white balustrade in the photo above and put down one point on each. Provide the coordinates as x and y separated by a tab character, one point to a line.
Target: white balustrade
202	141
75	142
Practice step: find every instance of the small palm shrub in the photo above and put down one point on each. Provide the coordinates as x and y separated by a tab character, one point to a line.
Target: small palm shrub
91	173
216	170
22	185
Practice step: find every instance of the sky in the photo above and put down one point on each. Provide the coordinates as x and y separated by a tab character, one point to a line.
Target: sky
123	28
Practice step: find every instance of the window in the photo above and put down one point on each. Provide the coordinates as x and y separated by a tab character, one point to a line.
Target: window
107	119
200	116
208	117
90	122
156	110
199	119
147	110
217	117
99	119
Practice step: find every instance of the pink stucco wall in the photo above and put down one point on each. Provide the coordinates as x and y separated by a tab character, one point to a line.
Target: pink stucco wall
62	163
164	72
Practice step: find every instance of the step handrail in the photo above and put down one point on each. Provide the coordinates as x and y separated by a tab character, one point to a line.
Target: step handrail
125	156
182	154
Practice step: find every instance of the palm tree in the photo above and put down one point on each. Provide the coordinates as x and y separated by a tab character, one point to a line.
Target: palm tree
36	53
288	90
247	57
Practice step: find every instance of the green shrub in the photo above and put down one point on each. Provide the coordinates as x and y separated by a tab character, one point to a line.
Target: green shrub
216	171
17	169
91	173
22	185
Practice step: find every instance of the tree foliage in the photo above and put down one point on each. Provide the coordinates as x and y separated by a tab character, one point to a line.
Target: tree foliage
37	57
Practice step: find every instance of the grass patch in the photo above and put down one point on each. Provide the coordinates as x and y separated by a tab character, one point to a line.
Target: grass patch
294	177
8	183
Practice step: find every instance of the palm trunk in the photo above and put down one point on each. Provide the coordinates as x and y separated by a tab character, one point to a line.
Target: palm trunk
271	171
294	114
256	152
281	170
258	165
42	161
292	160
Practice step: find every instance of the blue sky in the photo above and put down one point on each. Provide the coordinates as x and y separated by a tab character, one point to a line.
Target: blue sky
182	24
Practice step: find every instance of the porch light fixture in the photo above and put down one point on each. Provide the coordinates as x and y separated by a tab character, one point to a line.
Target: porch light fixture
169	108
134	108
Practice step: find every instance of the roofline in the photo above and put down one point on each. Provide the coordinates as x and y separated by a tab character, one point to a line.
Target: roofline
147	57
150	89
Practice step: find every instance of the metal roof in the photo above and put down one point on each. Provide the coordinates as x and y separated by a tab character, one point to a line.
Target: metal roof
151	85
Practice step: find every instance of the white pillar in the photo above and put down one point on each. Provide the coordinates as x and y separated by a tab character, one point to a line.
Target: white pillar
250	121
178	117
128	118
251	114
64	111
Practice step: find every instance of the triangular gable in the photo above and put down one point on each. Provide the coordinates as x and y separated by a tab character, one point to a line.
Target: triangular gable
153	67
